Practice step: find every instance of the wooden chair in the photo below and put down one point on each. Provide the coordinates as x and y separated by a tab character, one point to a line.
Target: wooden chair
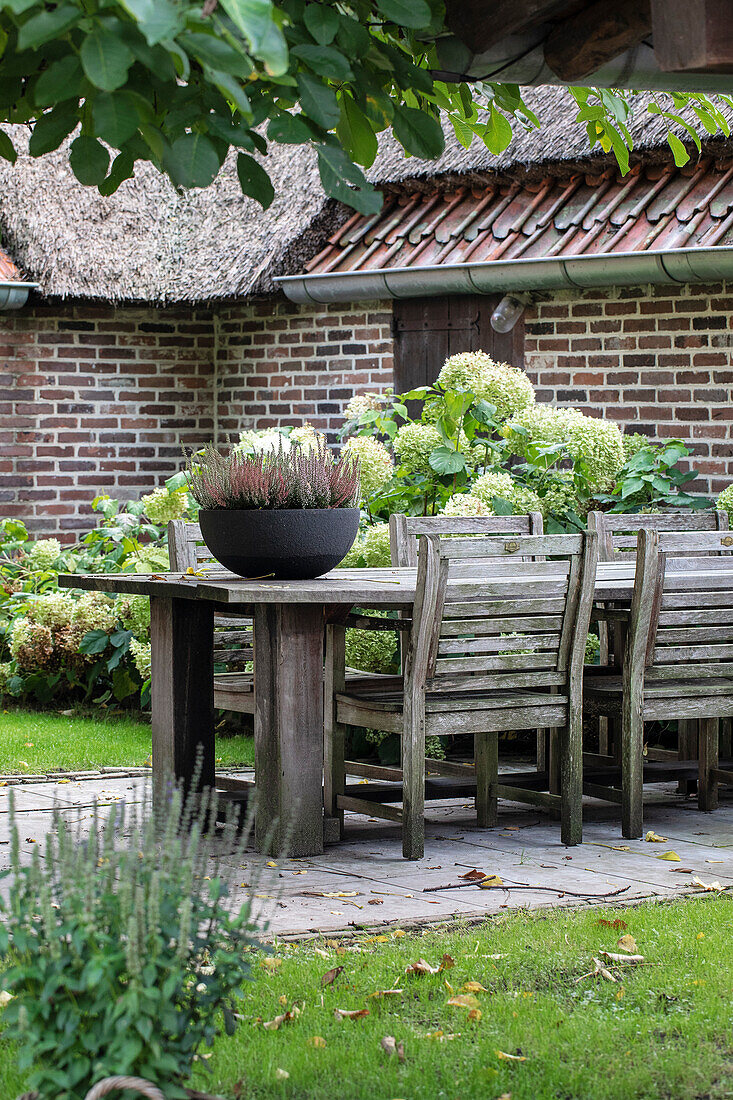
233	689
677	663
617	539
404	531
488	651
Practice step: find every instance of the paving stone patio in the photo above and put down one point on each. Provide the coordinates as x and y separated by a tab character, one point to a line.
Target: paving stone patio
364	881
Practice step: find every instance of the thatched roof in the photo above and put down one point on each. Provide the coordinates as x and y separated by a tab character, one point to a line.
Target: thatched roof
150	242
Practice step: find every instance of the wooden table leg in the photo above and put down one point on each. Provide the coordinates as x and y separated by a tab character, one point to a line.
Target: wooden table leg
182	689
288	642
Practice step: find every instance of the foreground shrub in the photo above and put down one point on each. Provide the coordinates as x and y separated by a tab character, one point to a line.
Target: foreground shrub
123	952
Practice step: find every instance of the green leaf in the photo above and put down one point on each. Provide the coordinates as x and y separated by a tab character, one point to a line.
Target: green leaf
444	460
52	127
50	23
288	129
157	19
318	101
215	52
115	117
89	160
255	19
680	154
337	172
322	22
497	133
232	91
123	167
192	161
355	133
106	60
94	641
7	149
324	60
502	507
406	13
418	132
63	79
254	180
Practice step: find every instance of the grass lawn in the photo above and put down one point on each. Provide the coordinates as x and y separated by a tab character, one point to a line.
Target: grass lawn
662	1030
43	741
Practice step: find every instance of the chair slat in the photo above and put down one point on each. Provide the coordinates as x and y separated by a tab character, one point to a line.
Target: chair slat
499	644
404	531
512	625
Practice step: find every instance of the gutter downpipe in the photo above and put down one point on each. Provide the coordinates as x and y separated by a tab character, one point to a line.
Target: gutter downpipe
683	265
15	295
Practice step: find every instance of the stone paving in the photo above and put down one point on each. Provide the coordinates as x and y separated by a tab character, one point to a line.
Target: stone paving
365	882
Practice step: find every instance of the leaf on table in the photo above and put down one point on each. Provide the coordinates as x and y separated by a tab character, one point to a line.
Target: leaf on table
489	882
618	925
385	992
474	875
317	1041
708	886
331	894
376	901
628	943
350	1014
447	962
682	870
474	987
622	959
655	838
464	1000
331	975
504	1057
671	856
422	966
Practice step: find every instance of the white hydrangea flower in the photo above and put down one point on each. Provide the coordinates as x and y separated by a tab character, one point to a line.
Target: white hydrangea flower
373	548
599	442
94	611
161	506
44	553
263	439
141	656
466	504
53	609
725	501
414	444
307	437
375	462
497	483
362	403
506	387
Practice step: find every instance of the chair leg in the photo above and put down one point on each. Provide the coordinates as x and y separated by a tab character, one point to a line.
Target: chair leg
725	738
632	774
541	758
413	779
486	760
571	780
334	774
707	787
687	741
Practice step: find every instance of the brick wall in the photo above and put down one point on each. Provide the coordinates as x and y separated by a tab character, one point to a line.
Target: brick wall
282	363
655	359
96	399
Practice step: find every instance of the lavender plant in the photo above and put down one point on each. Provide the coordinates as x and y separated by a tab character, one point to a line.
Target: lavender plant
122	949
297	478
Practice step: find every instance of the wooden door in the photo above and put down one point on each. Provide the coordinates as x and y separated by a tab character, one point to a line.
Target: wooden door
428	330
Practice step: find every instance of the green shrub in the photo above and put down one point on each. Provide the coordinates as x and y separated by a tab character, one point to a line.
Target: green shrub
122	953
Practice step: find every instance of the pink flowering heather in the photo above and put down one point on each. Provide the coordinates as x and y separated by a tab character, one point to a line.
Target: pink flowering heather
298	478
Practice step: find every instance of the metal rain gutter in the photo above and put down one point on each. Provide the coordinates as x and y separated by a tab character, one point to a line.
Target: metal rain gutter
682	265
15	295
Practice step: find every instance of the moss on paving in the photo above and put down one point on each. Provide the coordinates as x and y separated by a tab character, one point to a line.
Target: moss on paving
47	741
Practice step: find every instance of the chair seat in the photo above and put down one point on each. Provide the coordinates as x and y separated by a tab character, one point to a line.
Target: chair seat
664	700
381	706
234	691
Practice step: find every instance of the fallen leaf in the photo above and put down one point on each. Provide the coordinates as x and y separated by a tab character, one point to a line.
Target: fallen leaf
464	1000
681	870
503	1057
474	987
271	863
447	962
628	943
319	951
619	925
474	875
283	1000
614	958
441	1036
700	936
398	933
331	975
475	1014
705	885
671	856
385	992
655	838
271	964
5	998
376	901
283	1018
350	1014
281	1074
317	1041
391	1046
489	881
422	966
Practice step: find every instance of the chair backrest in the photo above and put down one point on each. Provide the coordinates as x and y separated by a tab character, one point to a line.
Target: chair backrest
681	622
404	531
617	532
232	633
496	631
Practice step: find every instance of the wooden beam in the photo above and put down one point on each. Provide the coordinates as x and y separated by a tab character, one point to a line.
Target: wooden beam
481	25
693	35
593	37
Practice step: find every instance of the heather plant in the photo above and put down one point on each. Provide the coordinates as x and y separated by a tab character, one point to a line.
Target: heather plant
302	477
124	951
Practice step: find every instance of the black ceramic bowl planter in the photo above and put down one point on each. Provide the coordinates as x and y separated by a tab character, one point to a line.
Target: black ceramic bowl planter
286	543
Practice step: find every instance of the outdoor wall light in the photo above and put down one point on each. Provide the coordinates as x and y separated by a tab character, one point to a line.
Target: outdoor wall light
508	312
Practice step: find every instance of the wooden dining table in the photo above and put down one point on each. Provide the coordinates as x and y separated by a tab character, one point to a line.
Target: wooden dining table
289	622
